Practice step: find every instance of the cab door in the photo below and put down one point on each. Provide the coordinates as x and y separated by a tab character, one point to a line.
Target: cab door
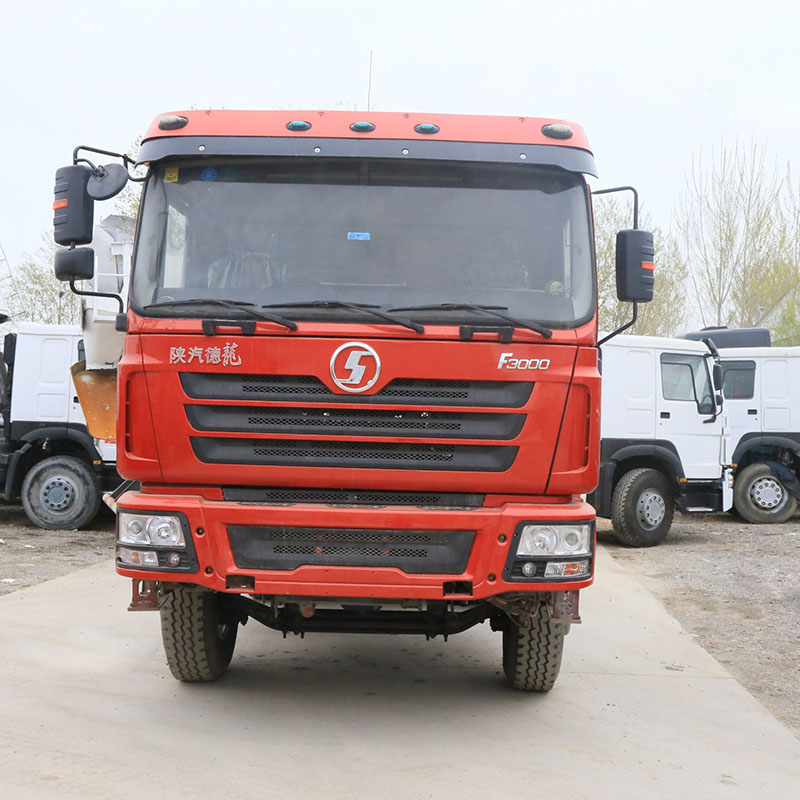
685	407
741	386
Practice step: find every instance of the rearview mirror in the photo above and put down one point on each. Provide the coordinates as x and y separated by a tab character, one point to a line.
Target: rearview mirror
73	208
635	266
717	375
107	181
75	265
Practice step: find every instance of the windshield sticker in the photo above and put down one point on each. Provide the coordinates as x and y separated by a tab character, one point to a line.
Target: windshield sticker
209	174
358	236
171	175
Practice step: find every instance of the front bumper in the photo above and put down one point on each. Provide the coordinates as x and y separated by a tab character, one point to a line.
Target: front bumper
208	523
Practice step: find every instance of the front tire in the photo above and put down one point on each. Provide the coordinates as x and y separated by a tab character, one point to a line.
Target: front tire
532	656
60	493
198	637
759	497
642	508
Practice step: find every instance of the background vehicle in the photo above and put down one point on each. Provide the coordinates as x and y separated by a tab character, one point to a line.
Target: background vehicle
49	460
665	446
663	438
58	389
359	383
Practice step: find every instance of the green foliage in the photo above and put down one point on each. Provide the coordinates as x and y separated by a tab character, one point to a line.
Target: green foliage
666	314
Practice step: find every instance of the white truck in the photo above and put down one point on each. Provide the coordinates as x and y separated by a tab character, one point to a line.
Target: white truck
48	459
670	441
57	384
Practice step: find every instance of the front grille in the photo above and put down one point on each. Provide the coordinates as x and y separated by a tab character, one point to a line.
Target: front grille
289	494
352	455
287	548
307	388
355	422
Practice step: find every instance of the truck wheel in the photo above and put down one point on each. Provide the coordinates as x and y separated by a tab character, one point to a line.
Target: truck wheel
198	642
60	493
532	656
642	507
760	497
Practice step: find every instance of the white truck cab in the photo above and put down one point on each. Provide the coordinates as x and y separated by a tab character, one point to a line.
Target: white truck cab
669	441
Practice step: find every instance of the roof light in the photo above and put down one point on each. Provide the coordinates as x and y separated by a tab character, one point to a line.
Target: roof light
362	127
298	125
426	127
557	131
171	122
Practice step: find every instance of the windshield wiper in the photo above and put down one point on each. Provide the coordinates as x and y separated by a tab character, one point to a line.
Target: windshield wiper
492	311
236	305
376	311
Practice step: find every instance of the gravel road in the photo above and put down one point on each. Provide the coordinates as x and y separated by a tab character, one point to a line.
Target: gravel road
730	584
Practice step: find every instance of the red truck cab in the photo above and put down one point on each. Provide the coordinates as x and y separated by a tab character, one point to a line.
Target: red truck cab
359	386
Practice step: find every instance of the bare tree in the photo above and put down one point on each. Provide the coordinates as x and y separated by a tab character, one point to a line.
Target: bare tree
666	314
735	235
41	297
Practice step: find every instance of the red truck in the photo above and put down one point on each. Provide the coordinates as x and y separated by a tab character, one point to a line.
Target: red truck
359	388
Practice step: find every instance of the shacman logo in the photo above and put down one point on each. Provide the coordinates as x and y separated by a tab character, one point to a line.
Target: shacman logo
355	367
508	361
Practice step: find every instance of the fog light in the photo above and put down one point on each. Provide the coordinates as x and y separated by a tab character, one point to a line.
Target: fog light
529	569
173	560
566	569
137	558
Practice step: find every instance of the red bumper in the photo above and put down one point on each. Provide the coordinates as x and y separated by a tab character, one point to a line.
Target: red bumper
208	523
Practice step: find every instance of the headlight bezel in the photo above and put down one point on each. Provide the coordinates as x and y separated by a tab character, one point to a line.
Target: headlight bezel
180	543
582	551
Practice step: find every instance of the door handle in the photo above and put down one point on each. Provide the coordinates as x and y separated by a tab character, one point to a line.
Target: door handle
752	411
664	415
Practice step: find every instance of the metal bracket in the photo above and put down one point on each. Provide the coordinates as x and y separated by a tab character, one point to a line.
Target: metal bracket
146	596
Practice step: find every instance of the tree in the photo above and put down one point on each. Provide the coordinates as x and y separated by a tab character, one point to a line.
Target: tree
736	236
41	297
665	315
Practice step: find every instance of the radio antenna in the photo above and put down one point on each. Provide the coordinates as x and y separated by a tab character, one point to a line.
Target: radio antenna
369	83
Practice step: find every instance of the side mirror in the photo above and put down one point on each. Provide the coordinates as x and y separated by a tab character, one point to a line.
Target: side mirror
107	181
73	208
75	265
716	372
635	266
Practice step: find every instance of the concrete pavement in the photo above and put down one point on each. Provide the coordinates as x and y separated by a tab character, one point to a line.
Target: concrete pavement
89	710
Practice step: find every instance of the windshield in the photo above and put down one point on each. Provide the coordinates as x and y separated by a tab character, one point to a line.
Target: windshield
381	232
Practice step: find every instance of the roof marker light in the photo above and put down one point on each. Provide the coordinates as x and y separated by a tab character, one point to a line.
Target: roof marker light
171	122
362	127
298	125
555	131
426	127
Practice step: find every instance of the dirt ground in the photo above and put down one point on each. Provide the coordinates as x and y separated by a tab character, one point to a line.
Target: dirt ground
735	587
731	584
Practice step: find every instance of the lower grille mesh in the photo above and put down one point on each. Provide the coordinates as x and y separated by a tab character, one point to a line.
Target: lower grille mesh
414	552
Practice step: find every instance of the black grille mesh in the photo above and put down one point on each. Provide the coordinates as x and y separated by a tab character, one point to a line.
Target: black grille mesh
286	548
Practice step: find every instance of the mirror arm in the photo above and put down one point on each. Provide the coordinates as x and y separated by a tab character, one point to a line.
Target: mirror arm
624	327
116	297
635	200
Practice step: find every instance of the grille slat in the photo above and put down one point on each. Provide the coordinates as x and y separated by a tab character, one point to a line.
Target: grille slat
355	422
307	388
292	494
285	548
376	455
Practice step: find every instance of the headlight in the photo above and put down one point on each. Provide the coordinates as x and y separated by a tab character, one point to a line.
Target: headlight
150	529
555	540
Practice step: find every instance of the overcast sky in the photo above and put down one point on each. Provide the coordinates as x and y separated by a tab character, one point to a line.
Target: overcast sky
651	83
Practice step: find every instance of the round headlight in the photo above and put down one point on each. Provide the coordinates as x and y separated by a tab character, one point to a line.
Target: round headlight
545	540
134	528
164	530
572	540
